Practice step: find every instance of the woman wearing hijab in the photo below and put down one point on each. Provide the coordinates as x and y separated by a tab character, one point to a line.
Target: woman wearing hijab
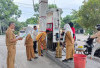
29	45
69	41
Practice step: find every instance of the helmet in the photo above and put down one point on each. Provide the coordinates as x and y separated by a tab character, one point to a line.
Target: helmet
98	25
98	28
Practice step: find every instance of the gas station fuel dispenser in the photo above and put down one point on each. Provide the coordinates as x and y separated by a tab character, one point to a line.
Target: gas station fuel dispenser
53	24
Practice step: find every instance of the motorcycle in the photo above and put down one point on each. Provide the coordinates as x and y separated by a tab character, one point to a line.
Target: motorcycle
89	46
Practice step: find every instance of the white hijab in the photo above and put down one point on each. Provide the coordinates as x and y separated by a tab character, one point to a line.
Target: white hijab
29	31
68	28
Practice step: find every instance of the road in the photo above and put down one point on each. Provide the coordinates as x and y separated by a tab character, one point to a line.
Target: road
21	61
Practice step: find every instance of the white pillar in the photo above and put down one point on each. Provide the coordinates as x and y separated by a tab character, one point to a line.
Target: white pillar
43	6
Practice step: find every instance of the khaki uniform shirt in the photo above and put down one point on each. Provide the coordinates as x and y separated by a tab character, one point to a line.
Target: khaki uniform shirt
97	35
41	36
9	36
29	40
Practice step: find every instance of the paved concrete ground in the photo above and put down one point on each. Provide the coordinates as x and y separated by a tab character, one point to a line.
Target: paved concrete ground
95	63
21	62
42	62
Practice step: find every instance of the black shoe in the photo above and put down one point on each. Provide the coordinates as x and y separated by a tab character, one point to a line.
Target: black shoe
65	60
36	58
41	54
70	58
30	60
36	52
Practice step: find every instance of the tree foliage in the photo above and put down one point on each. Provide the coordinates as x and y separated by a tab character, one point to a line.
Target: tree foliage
36	7
71	18
8	10
52	6
67	19
89	14
31	20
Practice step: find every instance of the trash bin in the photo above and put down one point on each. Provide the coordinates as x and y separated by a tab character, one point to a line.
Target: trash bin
79	61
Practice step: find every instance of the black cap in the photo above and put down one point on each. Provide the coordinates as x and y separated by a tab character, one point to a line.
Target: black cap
71	24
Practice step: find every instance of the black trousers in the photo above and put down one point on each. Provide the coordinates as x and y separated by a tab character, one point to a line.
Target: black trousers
34	45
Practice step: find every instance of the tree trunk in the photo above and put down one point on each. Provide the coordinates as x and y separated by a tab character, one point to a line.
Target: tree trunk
0	29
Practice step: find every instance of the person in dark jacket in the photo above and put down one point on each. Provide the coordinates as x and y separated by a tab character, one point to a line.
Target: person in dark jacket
73	29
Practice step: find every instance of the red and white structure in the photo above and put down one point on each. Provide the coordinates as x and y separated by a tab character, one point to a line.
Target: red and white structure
49	19
53	23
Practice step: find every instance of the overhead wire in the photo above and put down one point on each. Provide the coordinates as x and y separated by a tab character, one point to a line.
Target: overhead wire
24	3
30	13
33	5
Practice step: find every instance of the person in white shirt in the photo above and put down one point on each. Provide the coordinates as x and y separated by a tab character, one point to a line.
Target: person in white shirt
35	33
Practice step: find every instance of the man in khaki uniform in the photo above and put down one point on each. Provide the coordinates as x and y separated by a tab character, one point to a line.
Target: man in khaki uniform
97	45
10	43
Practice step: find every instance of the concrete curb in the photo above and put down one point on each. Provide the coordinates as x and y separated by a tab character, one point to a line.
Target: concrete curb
56	60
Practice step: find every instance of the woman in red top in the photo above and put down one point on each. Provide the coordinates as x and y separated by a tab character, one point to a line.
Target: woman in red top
73	29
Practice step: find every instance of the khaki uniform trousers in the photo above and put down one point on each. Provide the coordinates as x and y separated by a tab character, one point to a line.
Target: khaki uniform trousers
39	46
11	56
30	52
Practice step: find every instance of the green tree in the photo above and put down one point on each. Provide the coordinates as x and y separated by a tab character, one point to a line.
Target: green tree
7	10
89	14
67	19
71	18
31	20
36	7
74	19
52	6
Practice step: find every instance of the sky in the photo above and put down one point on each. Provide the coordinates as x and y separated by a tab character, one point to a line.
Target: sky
26	6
